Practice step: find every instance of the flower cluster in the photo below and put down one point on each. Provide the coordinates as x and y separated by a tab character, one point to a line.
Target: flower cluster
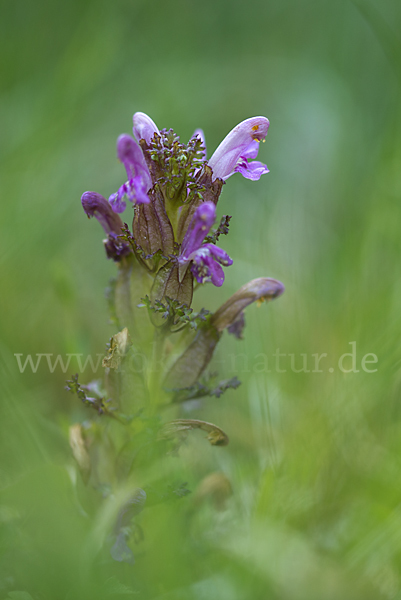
161	353
174	190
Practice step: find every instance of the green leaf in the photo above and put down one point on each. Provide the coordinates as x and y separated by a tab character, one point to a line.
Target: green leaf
175	313
222	229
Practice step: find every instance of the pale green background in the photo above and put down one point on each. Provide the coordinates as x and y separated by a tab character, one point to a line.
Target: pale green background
314	458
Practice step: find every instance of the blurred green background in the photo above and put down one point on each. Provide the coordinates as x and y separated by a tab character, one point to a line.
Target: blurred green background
314	458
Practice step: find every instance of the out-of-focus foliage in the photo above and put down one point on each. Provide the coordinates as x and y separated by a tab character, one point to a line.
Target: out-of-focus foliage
307	503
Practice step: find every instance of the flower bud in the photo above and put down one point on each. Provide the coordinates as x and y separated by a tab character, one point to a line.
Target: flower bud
261	289
95	205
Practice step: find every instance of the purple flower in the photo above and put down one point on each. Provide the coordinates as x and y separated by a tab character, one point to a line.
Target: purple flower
206	264
95	205
206	258
240	145
144	128
139	181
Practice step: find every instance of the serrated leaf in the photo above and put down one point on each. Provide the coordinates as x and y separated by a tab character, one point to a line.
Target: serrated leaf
222	229
199	390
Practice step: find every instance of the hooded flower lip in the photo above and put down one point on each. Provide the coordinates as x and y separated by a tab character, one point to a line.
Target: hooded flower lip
257	290
139	181
206	258
95	205
240	145
144	128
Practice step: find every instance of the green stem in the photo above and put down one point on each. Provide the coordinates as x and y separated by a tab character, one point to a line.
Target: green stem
155	371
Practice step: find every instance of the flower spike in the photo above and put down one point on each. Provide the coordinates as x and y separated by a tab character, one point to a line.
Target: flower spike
144	128
161	351
139	181
240	145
